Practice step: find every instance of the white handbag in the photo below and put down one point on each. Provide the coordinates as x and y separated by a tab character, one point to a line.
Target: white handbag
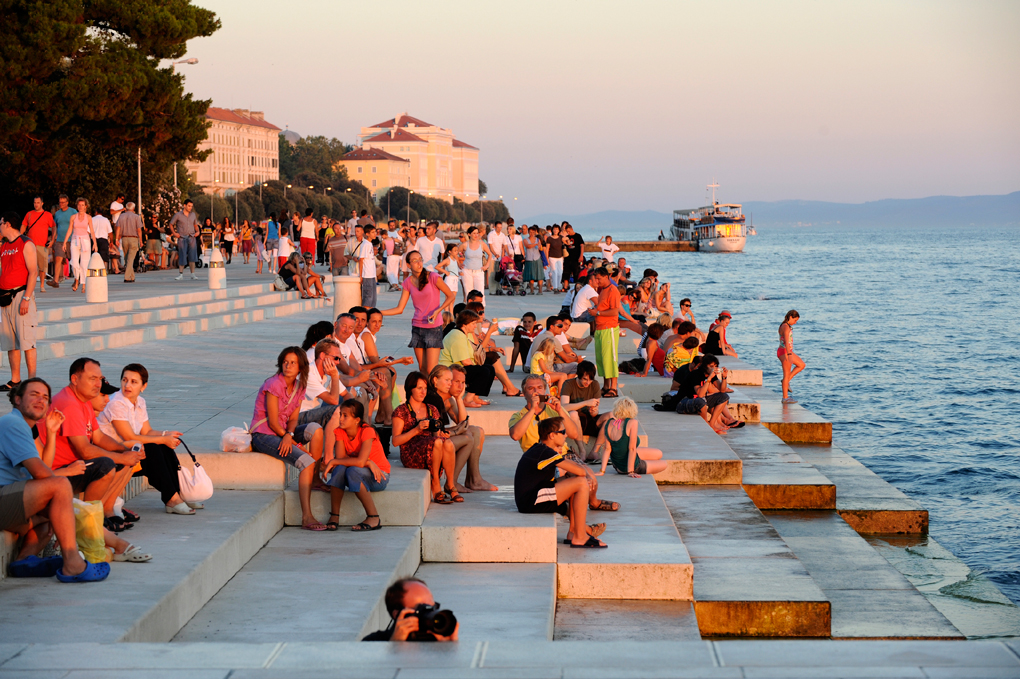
196	486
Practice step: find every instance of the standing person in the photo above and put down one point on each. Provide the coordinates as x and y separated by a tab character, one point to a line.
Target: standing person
351	223
39	226
533	261
791	362
154	243
450	268
129	237
477	259
104	235
555	252
392	256
286	248
423	288
184	227
308	232
607	332
261	255
62	218
116	208
227	236
18	262
517	246
429	246
365	255
609	248
575	253
499	247
272	242
247	241
83	240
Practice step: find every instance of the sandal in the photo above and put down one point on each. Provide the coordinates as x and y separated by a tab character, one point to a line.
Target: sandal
605	506
317	527
454	495
10	386
130	516
591	543
610	393
362	527
132	554
594	530
519	393
115	524
440	499
94	572
333	525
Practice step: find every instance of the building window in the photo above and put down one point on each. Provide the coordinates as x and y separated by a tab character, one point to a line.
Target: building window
373	182
360	170
373	169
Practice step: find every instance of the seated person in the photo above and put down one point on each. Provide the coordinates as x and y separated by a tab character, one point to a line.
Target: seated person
80	438
627	320
538	406
715	343
290	272
448	398
566	359
275	430
576	343
311	280
36	502
680	354
537	490
695	399
581	395
386	376
618	440
681	330
423	445
524	335
402	597
126	418
648	347
324	391
542	365
458	349
357	463
583	303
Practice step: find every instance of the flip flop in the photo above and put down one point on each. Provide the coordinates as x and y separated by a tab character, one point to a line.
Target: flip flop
317	527
455	496
363	527
9	386
94	572
737	425
133	555
333	525
440	499
594	530
606	506
34	567
591	543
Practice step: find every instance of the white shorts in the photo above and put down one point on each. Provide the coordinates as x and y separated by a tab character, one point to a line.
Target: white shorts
17	332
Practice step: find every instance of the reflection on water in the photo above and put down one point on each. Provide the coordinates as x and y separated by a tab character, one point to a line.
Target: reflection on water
910	341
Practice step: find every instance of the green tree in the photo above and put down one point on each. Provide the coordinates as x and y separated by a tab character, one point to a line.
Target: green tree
482	188
84	90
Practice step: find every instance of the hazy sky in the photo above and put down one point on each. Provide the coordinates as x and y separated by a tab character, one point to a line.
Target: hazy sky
585	106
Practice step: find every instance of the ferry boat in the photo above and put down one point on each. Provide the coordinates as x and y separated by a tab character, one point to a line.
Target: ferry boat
719	227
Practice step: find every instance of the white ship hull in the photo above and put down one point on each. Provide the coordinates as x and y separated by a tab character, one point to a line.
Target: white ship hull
723	244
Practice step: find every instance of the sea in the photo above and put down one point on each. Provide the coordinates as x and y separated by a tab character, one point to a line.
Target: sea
910	335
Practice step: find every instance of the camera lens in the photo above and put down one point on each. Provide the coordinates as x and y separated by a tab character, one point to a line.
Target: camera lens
443	623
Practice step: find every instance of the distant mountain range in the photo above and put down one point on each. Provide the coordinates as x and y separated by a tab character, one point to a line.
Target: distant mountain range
960	211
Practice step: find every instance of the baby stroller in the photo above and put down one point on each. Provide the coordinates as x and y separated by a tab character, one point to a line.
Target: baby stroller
511	282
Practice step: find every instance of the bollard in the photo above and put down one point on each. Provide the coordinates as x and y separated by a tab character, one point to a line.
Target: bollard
346	293
217	273
96	283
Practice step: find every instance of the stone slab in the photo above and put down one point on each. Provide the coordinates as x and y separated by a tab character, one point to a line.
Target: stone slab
646	558
193	557
507	601
239	471
741	372
792	423
403	503
850	653
650	389
695	453
615	620
339	596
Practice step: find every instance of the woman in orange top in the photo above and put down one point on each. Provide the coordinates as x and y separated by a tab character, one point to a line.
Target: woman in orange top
358	463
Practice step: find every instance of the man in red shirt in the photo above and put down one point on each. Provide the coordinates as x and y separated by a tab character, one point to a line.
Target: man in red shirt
607	331
17	308
81	439
39	226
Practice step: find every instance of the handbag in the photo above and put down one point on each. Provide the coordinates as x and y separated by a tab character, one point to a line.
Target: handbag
459	428
196	486
279	283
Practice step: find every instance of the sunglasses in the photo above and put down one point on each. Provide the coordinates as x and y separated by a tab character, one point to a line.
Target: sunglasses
685	305
561	431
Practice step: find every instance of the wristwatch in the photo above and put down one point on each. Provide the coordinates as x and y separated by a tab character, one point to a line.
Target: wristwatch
26	299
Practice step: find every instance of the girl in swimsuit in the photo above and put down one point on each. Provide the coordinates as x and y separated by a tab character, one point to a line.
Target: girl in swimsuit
792	363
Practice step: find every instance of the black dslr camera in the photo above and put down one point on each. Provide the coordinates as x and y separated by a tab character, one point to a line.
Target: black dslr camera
433	620
435	425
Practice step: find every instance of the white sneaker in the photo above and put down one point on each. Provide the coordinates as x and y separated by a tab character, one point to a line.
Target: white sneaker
180	277
194	277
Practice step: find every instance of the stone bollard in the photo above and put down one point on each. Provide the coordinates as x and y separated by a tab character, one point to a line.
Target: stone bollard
217	273
346	293
96	283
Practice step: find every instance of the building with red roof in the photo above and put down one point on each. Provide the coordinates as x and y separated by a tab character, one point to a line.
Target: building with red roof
245	151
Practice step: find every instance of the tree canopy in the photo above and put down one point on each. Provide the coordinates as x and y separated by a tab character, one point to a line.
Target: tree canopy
85	86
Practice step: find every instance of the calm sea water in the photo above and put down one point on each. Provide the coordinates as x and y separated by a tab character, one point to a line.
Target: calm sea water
910	338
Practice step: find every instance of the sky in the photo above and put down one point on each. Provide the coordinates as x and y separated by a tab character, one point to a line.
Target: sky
578	107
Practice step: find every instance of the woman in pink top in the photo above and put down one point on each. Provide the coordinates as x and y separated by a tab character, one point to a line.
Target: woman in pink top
275	429
423	288
83	242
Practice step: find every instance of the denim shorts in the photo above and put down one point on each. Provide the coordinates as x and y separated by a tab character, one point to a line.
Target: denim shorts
187	250
353	478
320	415
691	406
426	338
269	444
272	244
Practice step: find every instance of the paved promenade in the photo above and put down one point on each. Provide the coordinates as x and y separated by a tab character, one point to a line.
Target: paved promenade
743	536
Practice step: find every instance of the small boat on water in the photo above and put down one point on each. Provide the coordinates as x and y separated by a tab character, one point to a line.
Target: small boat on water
719	227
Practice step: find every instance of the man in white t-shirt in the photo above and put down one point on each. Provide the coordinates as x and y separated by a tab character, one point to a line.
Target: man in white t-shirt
324	392
116	207
104	230
609	248
349	365
585	299
430	247
501	247
366	258
566	359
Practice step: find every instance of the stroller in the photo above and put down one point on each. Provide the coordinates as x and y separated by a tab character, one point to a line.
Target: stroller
510	280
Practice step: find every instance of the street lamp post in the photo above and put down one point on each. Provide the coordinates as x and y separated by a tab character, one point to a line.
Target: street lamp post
285	187
173	66
235	204
212	203
409	206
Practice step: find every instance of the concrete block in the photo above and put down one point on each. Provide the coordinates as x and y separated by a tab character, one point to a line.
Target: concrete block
695	453
615	620
792	423
741	372
240	471
403	503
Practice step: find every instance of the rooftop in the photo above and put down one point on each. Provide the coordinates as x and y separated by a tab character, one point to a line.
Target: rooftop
398	135
404	120
372	154
240	116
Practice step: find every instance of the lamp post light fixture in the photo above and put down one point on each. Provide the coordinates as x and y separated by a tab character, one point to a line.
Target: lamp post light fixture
285	187
212	203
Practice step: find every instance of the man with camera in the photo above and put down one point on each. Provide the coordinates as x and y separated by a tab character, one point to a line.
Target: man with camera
415	615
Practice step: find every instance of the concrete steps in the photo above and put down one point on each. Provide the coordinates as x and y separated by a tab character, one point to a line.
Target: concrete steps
314	587
793	423
404	502
869	597
747	581
696	454
610	620
193	557
512	601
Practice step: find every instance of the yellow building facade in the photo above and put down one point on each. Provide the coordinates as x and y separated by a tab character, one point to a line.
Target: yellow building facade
377	170
439	164
245	151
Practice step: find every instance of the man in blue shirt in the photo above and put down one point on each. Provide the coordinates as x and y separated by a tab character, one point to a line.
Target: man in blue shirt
272	241
34	501
62	218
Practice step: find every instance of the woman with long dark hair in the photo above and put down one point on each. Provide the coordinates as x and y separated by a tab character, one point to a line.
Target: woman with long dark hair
423	444
423	287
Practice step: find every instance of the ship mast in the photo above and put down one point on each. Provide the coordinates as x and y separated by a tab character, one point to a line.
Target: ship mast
713	186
